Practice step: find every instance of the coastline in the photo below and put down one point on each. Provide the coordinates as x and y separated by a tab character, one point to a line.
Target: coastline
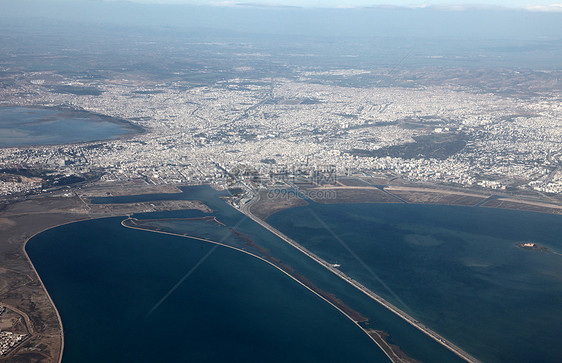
132	129
61	216
379	342
423	194
38	319
59	360
21	220
441	340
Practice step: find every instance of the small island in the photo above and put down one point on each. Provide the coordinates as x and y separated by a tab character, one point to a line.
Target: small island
533	246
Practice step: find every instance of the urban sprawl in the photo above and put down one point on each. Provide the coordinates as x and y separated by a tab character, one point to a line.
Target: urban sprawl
443	134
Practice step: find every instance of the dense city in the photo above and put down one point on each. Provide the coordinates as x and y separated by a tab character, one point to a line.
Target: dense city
446	134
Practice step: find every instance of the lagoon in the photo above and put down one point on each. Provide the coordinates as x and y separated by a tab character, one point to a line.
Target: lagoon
411	341
456	269
24	126
107	280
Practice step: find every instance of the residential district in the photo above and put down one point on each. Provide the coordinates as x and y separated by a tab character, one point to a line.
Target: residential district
445	134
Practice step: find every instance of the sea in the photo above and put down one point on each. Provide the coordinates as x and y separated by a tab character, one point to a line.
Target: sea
131	295
24	126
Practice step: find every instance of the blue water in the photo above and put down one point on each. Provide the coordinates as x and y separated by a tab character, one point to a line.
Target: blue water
20	126
411	341
106	279
456	269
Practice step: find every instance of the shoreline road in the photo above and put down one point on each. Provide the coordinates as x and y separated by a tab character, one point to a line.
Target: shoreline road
435	336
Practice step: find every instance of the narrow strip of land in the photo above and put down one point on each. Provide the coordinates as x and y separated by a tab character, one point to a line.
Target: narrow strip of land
438	338
430	190
538	204
385	347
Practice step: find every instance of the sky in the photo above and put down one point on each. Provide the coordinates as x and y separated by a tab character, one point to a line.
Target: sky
539	5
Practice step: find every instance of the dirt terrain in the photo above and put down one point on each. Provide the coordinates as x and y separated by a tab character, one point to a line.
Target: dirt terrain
20	219
20	286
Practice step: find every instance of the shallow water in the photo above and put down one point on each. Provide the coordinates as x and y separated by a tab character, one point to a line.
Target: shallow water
457	269
21	126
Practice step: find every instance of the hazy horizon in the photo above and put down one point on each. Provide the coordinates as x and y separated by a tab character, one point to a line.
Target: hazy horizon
488	22
545	5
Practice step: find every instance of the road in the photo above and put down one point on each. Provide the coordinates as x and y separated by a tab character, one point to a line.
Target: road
438	338
382	344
